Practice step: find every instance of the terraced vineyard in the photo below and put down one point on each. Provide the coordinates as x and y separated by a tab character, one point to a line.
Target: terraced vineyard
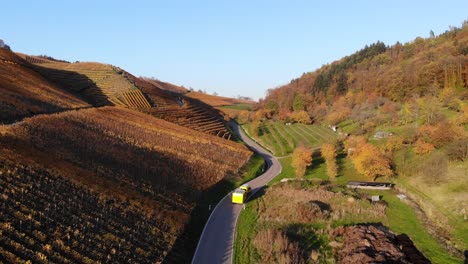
98	82
180	109
282	139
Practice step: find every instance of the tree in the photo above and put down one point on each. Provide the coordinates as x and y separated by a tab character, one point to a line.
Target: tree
342	83
329	154
301	117
298	104
367	158
272	106
371	162
255	128
301	158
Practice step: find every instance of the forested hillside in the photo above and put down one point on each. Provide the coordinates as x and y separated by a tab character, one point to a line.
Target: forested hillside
434	66
401	113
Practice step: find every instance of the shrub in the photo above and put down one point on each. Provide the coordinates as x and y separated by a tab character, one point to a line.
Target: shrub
421	147
434	168
275	247
458	149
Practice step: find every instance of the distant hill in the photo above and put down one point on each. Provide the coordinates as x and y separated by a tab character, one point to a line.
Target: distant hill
23	92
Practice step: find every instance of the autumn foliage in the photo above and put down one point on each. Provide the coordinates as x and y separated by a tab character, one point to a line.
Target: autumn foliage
368	159
301	158
421	147
329	154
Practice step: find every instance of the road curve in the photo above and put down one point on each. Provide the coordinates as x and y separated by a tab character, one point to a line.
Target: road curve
217	239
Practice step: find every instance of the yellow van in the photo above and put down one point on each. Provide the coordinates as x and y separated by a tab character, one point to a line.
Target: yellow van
239	196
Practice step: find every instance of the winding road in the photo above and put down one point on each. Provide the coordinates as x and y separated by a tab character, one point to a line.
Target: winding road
217	239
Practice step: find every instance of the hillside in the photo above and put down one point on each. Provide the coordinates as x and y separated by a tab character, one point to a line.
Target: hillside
121	169
180	109
401	114
214	100
100	83
103	84
424	66
166	86
24	93
120	166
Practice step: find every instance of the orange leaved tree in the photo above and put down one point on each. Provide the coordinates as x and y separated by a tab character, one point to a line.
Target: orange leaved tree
329	154
368	159
301	158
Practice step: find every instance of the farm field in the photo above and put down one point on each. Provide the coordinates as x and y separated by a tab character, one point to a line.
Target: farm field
281	139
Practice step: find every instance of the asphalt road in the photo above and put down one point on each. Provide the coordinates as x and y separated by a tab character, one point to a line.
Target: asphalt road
217	239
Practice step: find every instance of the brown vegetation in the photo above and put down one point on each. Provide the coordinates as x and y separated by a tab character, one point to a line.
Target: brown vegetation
213	100
24	93
180	109
375	244
142	163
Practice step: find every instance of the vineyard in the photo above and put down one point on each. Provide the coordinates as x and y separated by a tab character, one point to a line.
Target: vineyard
106	85
180	109
282	139
98	82
148	174
48	219
24	93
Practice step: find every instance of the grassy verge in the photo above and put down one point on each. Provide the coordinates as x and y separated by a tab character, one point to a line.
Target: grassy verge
401	218
246	229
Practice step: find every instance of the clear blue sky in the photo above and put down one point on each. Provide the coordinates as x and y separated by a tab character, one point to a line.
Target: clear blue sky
230	47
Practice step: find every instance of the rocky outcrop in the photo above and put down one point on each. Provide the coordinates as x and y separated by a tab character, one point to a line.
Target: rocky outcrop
374	244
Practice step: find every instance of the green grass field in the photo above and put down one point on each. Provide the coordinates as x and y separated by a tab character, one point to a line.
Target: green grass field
400	217
281	139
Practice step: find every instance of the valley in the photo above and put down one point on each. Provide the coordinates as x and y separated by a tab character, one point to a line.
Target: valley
100	165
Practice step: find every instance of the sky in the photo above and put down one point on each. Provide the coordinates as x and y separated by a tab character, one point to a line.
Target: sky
228	47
